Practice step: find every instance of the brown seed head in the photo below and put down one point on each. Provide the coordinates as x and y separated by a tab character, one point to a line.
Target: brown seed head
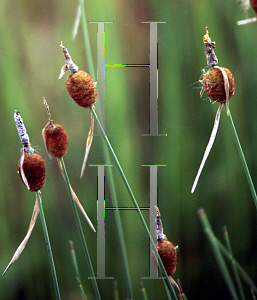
82	89
254	5
213	82
168	255
34	170
57	140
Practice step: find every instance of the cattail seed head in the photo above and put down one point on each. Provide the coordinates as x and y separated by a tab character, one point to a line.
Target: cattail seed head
34	169
81	88
254	5
213	82
57	140
168	255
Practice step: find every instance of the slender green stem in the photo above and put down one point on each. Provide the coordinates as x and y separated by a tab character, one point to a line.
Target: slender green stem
116	291
81	232
107	156
167	292
224	250
143	290
48	245
86	40
241	154
238	281
184	297
75	263
242	272
162	269
217	253
120	235
91	71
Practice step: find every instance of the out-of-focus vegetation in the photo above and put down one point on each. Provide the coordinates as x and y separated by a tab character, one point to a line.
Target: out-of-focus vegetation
30	63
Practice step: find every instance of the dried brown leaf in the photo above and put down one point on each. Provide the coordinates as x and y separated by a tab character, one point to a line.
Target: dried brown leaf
25	240
208	147
76	198
88	144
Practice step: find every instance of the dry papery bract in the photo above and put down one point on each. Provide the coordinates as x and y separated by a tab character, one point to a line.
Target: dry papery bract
25	240
81	88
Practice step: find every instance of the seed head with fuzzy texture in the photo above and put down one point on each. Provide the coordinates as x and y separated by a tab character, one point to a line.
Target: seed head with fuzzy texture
81	88
254	5
57	140
34	170
168	255
213	83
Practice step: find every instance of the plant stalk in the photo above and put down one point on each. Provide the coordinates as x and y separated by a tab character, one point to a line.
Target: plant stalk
217	253
81	232
241	154
48	245
162	269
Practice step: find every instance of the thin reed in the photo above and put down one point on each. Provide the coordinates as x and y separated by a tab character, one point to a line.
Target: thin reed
30	36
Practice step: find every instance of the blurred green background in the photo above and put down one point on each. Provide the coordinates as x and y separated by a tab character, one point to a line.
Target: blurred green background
30	63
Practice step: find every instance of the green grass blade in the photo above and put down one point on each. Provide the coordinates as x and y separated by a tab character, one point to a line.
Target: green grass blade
111	185
107	156
74	260
48	245
91	71
238	281
217	253
241	154
184	296
67	181
241	271
143	290
182	293
116	291
120	234
81	288
86	40
162	269
168	292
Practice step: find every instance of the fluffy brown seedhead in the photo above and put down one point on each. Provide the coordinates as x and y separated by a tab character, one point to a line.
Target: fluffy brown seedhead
213	82
34	170
254	5
56	139
168	255
82	89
